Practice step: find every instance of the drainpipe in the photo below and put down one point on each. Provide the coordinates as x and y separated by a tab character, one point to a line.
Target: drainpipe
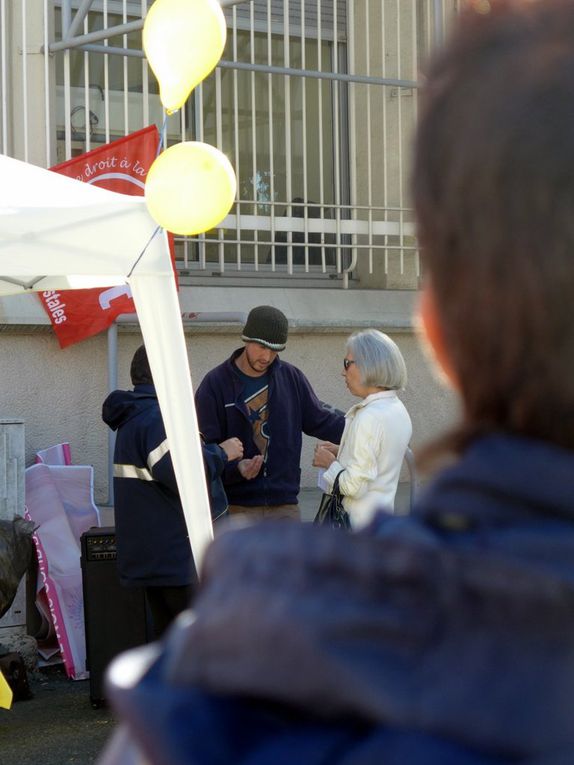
112	385
438	22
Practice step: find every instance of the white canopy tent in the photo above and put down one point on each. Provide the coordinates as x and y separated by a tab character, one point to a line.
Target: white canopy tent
57	233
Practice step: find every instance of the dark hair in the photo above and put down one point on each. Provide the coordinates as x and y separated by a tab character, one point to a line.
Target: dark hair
140	371
493	186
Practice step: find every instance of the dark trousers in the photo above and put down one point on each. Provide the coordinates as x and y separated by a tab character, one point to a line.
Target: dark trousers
165	603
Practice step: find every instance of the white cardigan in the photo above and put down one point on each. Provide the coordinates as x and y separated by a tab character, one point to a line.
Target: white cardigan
377	432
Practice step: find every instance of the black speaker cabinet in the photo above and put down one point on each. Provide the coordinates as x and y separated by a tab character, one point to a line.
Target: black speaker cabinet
115	616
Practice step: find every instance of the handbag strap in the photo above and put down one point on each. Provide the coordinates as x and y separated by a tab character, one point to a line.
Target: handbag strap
336	489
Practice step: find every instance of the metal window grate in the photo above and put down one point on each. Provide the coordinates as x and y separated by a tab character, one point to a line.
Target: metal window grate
312	16
314	102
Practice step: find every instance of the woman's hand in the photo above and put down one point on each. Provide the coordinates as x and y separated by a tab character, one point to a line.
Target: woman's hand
323	456
233	448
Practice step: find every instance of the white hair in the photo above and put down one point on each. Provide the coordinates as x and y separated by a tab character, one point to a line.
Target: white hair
378	359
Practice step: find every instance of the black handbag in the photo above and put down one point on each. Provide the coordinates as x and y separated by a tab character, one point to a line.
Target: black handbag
331	511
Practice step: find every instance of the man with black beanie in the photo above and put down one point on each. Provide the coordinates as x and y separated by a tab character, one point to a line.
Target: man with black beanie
267	403
153	549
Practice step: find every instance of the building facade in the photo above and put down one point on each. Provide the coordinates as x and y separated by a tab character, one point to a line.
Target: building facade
314	102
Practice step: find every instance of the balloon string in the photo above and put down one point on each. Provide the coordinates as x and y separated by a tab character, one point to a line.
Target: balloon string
140	256
162	136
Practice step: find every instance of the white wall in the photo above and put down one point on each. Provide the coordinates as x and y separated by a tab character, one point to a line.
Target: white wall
59	393
320	356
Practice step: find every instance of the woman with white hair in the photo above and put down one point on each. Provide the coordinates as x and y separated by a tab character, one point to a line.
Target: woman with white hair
377	429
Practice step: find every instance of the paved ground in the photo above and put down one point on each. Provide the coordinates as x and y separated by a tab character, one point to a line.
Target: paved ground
59	726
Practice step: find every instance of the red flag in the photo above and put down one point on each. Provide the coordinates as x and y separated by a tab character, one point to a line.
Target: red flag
120	166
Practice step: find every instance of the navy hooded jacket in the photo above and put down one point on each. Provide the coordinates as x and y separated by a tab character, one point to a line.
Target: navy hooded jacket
442	637
293	409
152	541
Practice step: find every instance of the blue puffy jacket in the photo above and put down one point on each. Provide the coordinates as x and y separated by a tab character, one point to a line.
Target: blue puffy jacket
442	637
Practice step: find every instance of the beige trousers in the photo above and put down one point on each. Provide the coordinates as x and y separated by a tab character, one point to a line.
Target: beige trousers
267	512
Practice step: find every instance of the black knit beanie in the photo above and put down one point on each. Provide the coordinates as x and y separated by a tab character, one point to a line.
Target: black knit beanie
267	326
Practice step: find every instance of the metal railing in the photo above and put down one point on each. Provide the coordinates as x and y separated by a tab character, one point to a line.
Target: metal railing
314	102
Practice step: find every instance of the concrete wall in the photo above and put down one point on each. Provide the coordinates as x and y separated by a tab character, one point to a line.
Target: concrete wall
320	356
58	393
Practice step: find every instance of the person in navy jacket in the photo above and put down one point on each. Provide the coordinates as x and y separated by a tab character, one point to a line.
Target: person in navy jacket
153	549
267	403
445	637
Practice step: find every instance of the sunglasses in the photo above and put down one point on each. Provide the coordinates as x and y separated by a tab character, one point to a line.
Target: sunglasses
347	363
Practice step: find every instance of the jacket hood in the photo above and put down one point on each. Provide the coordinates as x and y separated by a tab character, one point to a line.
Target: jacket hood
122	405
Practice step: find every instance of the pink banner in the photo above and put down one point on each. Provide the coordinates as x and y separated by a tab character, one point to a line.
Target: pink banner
59	501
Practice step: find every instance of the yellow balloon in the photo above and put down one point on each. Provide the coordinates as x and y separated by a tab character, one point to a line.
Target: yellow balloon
183	40
5	693
190	188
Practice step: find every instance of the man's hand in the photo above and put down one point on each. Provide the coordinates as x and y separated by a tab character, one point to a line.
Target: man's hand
250	468
333	448
323	457
233	448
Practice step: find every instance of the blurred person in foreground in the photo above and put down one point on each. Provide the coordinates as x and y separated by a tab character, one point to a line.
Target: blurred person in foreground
446	636
377	429
152	544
